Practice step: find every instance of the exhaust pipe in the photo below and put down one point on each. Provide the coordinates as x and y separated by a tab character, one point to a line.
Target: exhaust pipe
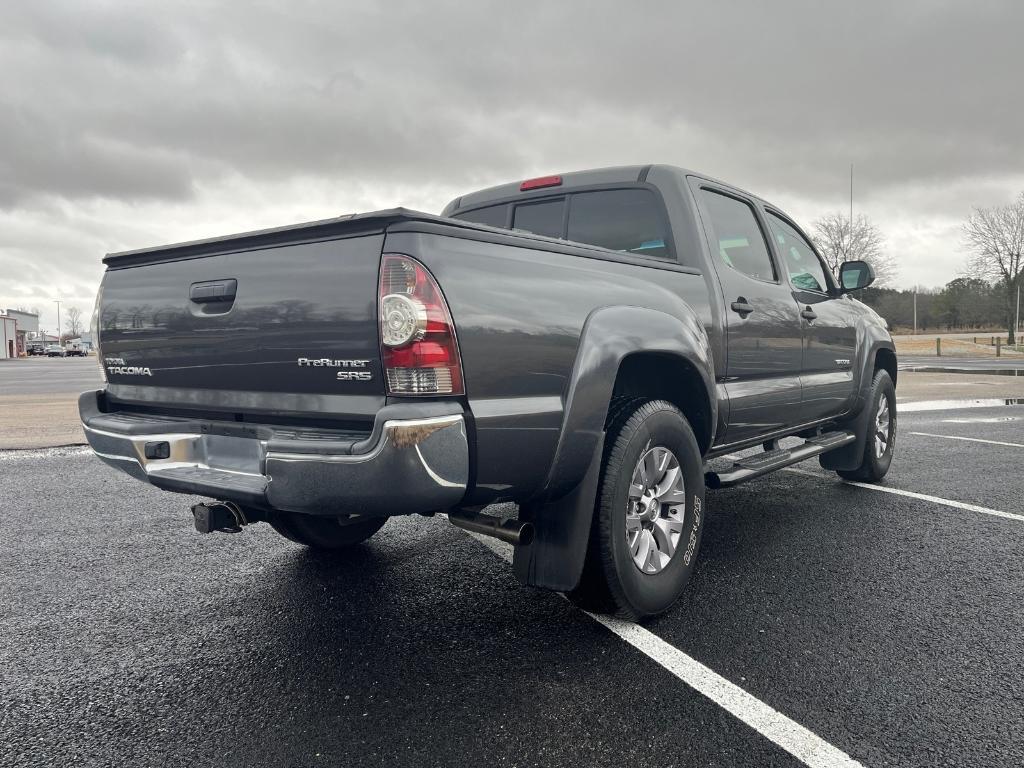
514	532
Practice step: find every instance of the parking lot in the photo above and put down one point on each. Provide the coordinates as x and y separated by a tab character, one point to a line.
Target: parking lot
827	624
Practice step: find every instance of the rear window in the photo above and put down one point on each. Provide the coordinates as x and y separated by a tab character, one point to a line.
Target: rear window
491	216
544	218
624	220
627	220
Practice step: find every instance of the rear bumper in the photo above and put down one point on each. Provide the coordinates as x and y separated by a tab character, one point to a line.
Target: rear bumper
416	459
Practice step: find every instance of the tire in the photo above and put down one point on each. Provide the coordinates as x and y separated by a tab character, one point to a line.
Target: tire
876	460
319	532
614	580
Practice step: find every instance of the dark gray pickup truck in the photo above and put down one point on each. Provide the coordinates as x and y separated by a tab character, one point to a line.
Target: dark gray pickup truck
589	345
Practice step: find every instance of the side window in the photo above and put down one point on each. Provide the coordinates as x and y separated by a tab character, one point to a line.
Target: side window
805	270
543	218
741	244
492	216
626	220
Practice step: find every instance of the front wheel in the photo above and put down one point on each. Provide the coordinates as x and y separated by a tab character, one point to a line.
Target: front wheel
880	440
318	532
649	514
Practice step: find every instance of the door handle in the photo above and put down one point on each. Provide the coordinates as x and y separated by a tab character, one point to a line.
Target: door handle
809	314
213	290
741	307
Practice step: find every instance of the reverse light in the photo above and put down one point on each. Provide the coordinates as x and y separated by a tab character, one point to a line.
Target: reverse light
540	183
419	351
403	319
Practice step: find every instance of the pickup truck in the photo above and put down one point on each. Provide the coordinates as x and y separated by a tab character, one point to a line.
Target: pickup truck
587	345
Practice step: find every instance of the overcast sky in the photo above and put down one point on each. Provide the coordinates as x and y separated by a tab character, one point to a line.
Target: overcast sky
129	125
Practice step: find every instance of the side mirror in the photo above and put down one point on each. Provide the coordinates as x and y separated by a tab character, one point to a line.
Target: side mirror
854	275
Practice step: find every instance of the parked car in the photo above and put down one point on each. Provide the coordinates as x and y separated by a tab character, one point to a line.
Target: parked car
55	350
75	350
35	349
583	345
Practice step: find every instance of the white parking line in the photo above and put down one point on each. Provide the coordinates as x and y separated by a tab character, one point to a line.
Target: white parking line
968	439
914	495
804	745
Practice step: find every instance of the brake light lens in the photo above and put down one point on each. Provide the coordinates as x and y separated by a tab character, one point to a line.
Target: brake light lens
540	183
419	351
94	331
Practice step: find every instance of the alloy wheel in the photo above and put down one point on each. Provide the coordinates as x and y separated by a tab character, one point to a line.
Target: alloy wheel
656	509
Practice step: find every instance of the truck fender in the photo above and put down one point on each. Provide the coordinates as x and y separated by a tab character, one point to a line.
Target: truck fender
870	340
563	510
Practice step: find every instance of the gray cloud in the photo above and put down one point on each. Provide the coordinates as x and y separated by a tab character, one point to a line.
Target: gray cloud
165	106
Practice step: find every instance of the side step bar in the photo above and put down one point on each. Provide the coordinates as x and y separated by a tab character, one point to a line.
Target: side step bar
759	464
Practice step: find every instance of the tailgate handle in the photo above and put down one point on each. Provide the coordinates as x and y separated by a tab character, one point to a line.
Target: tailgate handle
213	290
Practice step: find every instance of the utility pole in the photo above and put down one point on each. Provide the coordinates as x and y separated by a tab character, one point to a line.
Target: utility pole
847	257
1016	322
58	321
915	310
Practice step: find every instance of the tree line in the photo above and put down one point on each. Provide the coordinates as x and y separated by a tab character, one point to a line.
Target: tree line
986	298
964	304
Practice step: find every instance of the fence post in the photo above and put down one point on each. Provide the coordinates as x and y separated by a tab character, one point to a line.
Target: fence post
938	346
999	346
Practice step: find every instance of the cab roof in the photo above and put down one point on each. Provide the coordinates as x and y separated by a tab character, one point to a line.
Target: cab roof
622	174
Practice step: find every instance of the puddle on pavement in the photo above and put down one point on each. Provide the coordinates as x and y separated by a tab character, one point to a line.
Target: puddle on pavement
953	405
979	371
983	420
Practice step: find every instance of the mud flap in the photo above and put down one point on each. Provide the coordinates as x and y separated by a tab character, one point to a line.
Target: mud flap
851	456
554	560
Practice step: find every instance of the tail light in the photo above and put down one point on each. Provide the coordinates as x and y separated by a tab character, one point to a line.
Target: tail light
94	331
419	352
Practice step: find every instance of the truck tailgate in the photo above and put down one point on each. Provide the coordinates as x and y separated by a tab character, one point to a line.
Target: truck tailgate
285	328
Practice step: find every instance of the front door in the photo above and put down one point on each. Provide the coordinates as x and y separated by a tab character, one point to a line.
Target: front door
828	320
762	376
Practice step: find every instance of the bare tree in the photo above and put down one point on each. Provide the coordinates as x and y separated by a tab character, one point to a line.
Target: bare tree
995	237
74	316
837	242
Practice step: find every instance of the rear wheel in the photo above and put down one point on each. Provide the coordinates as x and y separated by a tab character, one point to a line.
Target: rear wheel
649	514
880	441
320	532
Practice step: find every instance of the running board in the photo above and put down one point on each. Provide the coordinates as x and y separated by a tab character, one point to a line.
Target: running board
759	464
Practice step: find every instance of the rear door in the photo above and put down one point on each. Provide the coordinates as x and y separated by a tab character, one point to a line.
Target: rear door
828	321
762	376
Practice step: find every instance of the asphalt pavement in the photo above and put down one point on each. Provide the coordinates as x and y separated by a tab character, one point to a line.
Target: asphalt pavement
886	623
49	375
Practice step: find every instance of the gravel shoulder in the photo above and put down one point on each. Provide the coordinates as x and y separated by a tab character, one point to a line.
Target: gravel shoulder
39	421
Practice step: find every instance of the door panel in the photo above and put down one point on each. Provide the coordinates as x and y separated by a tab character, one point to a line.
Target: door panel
828	324
764	341
830	345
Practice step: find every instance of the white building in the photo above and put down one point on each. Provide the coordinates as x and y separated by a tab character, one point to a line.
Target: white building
28	326
8	337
